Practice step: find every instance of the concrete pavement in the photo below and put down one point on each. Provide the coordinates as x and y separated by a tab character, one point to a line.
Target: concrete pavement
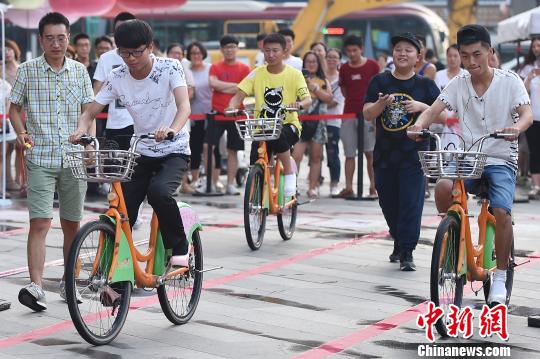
330	291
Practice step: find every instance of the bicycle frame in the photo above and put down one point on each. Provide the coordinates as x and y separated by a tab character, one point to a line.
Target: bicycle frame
271	192
472	260
122	266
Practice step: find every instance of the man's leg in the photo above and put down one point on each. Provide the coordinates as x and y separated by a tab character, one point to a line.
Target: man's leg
39	227
350	166
387	186
232	166
503	237
502	183
369	164
411	183
160	197
349	137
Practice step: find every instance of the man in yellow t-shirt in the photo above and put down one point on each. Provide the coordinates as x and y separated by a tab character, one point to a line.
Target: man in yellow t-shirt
276	85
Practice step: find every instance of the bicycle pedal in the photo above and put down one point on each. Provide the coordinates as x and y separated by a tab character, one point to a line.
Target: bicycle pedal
514	265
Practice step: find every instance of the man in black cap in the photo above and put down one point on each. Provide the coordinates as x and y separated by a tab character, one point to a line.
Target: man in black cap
486	100
394	100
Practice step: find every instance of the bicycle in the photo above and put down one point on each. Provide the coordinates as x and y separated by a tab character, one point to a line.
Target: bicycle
264	192
455	259
103	262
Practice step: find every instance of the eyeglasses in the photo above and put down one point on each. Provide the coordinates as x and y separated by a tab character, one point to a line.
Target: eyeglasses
126	54
51	39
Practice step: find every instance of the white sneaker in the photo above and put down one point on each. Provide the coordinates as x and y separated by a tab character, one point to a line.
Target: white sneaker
497	293
334	191
290	185
63	293
182	260
33	297
232	190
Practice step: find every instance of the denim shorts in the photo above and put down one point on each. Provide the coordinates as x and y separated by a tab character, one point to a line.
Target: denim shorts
501	186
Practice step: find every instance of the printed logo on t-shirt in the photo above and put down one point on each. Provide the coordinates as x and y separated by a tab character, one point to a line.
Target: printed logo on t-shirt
273	98
118	104
356	77
395	116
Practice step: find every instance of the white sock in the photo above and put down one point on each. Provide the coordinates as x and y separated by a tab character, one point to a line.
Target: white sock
290	185
500	275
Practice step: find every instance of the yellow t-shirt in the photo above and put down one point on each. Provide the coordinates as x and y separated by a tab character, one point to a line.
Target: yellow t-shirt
274	90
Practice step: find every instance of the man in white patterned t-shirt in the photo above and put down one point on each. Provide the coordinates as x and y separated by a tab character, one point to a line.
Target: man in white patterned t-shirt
154	92
486	100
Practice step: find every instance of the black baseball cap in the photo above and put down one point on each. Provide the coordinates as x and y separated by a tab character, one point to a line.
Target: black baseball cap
469	34
408	37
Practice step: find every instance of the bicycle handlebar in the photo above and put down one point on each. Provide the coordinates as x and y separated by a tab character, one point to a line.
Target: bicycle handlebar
425	133
88	140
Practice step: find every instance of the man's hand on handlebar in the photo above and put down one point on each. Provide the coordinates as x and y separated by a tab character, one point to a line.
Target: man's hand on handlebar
164	133
509	133
412	132
76	136
297	105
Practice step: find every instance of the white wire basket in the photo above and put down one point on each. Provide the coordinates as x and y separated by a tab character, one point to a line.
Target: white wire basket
102	165
453	164
259	129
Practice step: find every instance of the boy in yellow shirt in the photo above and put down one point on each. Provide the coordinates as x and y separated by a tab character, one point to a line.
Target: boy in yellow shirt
276	85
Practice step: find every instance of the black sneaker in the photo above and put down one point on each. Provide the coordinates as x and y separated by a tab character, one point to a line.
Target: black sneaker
406	262
394	257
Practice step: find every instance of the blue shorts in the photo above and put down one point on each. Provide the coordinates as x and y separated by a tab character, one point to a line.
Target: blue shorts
501	186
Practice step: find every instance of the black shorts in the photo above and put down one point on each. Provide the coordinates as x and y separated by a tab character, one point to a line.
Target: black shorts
287	139
234	141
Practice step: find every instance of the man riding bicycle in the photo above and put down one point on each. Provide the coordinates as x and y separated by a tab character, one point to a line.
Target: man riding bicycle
486	100
154	92
276	85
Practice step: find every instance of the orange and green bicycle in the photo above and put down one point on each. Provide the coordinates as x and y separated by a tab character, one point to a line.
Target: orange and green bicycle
103	263
455	258
264	193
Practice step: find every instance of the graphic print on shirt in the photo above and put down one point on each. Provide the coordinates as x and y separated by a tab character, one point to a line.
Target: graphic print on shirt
273	98
118	104
395	116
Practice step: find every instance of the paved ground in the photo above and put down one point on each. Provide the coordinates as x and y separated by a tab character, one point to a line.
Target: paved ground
328	291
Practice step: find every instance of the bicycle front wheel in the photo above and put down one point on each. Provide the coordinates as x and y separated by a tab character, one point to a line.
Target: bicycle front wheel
88	291
254	211
446	285
509	277
179	295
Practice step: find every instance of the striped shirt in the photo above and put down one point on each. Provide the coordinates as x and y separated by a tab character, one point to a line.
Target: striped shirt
52	101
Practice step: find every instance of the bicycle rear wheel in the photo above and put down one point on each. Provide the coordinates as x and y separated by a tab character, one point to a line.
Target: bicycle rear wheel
446	285
179	295
254	211
86	275
509	277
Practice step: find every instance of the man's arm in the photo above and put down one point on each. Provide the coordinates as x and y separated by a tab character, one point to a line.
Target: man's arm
97	86
85	123
524	122
16	121
183	110
222	86
429	116
237	100
372	110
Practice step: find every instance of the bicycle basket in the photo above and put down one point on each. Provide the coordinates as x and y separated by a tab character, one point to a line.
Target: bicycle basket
102	166
452	164
259	129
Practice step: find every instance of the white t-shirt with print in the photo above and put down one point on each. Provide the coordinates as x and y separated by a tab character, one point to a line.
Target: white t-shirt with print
535	90
150	102
494	110
118	116
295	62
338	109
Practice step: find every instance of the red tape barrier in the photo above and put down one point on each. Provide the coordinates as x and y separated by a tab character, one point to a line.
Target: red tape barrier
202	116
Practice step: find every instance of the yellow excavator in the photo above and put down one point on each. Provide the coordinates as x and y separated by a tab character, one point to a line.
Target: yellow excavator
317	14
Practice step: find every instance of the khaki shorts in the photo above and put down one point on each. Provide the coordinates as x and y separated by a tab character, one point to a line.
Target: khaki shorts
42	182
349	136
